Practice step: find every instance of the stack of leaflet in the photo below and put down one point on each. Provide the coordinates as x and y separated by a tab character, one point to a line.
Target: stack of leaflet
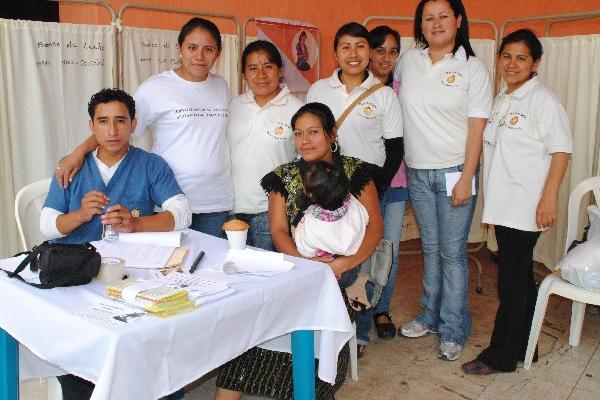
205	286
154	297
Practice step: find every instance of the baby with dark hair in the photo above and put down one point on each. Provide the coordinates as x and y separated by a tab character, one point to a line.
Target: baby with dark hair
335	223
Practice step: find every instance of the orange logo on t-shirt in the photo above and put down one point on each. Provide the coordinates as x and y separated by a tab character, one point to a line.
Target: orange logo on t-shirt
451	79
278	130
514	120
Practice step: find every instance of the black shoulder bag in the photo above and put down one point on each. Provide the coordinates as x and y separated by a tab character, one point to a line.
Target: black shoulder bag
60	264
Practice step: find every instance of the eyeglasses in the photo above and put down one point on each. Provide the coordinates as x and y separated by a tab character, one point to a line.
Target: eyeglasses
392	52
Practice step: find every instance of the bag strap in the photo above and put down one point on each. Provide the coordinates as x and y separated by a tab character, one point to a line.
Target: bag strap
31	257
360	98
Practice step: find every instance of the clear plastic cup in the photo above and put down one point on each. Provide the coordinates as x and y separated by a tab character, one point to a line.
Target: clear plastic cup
109	234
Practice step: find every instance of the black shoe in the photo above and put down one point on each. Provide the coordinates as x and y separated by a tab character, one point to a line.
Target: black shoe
385	330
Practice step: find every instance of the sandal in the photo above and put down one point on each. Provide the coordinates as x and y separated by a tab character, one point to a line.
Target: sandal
477	367
360	350
385	330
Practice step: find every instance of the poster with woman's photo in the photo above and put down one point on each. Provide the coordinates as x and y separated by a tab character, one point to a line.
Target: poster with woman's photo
298	43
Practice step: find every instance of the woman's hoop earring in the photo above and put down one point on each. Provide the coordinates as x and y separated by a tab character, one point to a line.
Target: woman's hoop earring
334	146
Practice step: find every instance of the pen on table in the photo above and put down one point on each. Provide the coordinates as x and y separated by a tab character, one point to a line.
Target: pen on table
196	262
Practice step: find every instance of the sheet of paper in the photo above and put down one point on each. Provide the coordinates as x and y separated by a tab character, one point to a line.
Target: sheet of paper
451	180
216	273
111	314
10	264
172	239
200	300
136	255
264	263
199	285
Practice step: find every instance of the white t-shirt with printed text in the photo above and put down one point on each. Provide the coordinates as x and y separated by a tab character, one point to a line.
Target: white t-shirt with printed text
188	121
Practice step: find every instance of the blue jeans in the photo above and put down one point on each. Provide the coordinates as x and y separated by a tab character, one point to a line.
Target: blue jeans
444	232
348	278
393	219
210	223
259	234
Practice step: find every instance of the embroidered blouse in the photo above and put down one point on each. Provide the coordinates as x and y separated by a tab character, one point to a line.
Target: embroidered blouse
287	180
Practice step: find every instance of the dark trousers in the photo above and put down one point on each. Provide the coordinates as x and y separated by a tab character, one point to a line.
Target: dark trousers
75	388
517	292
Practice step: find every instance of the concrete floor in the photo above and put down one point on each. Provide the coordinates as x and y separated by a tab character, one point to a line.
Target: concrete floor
405	368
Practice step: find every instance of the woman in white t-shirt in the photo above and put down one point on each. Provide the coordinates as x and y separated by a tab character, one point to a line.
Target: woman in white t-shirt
186	110
260	136
446	96
527	146
372	132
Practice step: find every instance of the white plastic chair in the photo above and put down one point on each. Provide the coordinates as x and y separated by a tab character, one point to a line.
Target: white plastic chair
353	355
28	206
554	284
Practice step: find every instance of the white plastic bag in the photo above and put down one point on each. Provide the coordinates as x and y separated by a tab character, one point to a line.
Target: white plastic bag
594	216
581	266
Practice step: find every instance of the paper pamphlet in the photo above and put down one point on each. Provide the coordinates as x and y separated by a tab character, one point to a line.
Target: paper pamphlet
451	180
154	296
171	239
203	288
136	255
111	314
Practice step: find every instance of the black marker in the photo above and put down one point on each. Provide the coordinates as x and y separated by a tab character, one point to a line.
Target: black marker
196	262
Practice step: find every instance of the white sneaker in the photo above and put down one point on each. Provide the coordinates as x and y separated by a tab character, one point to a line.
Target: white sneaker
450	351
414	329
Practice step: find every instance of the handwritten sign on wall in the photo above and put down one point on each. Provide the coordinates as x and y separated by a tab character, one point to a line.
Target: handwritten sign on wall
52	71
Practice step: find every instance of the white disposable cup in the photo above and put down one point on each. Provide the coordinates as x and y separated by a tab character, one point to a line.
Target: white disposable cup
237	239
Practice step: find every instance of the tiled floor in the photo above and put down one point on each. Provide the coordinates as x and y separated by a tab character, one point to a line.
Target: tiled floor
405	368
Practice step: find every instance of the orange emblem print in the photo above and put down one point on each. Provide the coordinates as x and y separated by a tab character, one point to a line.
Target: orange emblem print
278	130
451	79
514	120
367	111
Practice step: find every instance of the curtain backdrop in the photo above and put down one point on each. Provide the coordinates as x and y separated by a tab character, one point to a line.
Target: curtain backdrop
48	71
148	52
570	68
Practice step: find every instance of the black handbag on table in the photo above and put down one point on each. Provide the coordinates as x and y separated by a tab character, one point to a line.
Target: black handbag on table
60	264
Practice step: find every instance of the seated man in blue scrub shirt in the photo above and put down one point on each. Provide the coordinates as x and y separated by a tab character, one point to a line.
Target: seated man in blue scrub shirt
129	180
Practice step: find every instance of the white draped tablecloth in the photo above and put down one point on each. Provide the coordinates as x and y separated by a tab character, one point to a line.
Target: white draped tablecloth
151	358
